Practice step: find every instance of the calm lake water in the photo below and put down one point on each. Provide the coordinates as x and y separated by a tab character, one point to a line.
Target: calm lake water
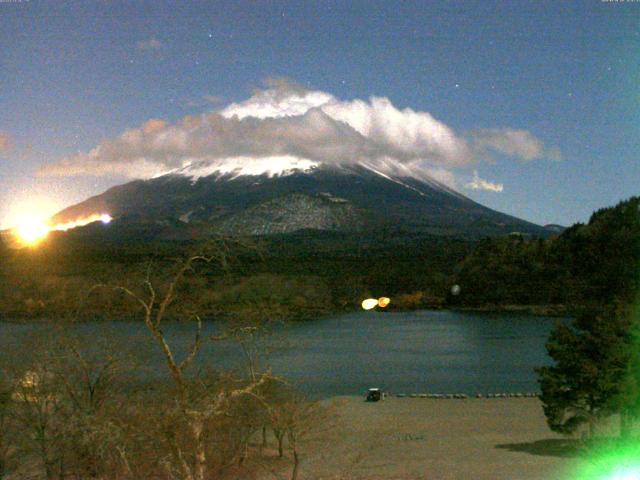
411	352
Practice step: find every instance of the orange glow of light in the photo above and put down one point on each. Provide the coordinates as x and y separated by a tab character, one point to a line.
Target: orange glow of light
31	229
371	303
384	301
81	222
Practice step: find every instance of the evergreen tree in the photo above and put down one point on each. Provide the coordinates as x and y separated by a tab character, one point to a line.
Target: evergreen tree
628	402
587	381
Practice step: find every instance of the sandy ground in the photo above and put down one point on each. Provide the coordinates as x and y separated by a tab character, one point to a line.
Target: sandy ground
415	438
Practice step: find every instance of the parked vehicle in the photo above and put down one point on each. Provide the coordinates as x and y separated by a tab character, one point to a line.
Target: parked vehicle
375	395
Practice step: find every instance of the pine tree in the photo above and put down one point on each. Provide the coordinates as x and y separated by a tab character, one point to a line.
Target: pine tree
587	381
628	401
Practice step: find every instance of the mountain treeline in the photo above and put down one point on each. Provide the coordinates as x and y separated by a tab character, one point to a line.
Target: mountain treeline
587	265
310	273
304	274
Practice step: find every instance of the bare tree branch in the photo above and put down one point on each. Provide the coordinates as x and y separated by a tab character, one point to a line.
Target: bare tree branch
169	295
126	291
195	348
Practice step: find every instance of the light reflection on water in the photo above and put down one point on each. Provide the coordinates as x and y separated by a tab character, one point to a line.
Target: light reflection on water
410	352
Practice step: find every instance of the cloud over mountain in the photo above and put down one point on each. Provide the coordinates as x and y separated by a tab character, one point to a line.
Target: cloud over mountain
478	183
285	120
514	142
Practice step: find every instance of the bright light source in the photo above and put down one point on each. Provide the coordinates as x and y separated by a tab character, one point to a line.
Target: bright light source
384	301
81	222
30	230
629	473
615	461
369	303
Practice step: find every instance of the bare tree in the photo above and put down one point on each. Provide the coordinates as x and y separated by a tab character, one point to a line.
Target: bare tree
196	407
304	417
251	330
292	418
59	400
71	415
91	388
36	413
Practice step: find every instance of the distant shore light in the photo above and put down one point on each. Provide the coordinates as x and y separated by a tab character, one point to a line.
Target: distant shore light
369	303
106	218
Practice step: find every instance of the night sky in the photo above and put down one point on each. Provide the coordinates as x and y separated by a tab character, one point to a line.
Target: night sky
539	101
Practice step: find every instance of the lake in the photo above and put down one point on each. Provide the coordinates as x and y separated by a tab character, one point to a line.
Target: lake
406	352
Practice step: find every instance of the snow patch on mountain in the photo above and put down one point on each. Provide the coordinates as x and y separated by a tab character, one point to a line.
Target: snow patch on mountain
397	172
235	167
284	165
393	180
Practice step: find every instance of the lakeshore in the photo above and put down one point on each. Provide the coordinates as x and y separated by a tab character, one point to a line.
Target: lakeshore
422	438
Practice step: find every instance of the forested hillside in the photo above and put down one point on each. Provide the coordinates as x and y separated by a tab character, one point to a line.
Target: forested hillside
309	273
585	265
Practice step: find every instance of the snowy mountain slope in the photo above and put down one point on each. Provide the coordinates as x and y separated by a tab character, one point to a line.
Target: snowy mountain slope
281	196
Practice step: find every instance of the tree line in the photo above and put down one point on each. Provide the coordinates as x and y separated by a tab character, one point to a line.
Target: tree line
596	371
308	273
588	265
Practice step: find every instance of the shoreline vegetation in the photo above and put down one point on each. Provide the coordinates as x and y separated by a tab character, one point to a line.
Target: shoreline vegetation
535	310
586	265
560	311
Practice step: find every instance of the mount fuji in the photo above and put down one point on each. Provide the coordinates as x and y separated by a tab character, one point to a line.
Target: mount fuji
278	195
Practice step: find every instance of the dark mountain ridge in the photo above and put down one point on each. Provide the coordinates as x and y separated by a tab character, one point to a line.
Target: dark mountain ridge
332	198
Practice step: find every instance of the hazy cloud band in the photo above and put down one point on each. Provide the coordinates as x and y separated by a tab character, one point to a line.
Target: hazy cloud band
286	120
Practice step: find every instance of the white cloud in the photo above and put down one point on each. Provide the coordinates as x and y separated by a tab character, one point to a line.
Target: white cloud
282	100
514	142
287	121
149	44
479	184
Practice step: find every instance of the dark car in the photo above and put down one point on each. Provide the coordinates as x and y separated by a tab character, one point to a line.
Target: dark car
375	395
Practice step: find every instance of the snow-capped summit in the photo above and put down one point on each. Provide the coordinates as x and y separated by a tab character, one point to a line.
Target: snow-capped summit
284	194
236	166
